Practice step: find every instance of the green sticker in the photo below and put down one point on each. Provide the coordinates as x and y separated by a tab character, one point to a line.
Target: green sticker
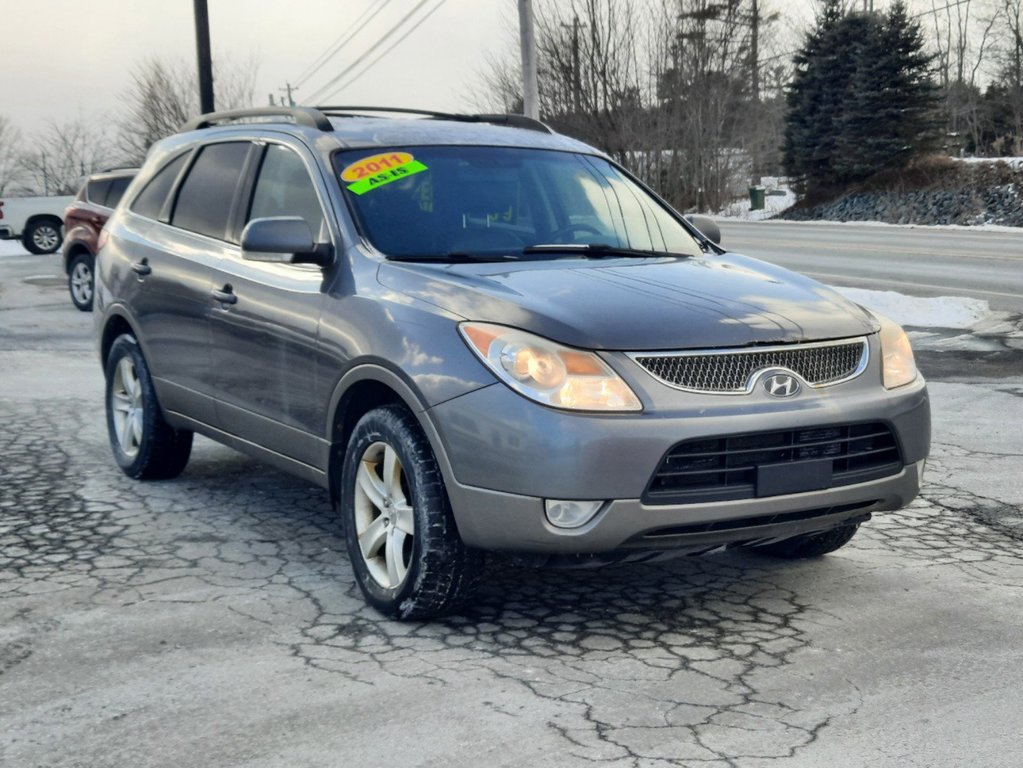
379	179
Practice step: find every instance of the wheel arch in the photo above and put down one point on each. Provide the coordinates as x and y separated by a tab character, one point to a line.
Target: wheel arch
114	325
72	250
35	218
359	391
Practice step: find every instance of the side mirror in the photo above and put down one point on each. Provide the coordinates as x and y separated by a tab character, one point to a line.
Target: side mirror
283	240
707	226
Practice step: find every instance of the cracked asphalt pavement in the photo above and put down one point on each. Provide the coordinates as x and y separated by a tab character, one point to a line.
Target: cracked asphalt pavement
213	620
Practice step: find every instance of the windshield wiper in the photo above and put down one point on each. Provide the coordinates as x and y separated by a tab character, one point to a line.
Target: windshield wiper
455	257
599	250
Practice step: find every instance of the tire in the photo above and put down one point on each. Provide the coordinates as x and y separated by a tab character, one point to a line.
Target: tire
145	446
405	550
81	281
42	236
811	544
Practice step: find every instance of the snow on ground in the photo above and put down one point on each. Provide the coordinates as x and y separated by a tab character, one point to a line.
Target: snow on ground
945	323
773	205
12	248
1015	162
954	312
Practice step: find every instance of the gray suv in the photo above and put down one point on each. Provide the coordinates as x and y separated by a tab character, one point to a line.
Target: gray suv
478	335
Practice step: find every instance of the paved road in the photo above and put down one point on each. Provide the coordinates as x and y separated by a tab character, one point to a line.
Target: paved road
920	261
213	619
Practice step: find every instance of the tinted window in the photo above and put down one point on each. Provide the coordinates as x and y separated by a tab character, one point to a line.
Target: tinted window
204	202
150	201
285	189
96	191
116	191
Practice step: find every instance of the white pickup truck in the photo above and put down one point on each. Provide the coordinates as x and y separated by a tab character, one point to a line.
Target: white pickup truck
37	221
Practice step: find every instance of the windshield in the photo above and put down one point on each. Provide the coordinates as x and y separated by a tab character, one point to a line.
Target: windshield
439	201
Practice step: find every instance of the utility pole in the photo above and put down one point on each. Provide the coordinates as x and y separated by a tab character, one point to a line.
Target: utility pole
205	60
577	85
530	97
288	88
754	52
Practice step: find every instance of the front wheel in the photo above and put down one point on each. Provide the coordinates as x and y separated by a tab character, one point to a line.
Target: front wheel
145	446
405	550
42	236
80	281
811	544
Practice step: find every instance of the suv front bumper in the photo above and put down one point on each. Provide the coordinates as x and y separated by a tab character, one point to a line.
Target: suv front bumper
504	455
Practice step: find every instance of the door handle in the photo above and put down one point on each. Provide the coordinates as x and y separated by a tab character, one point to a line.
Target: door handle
226	295
141	268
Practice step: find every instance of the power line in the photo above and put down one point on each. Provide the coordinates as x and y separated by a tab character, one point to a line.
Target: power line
340	43
317	95
394	45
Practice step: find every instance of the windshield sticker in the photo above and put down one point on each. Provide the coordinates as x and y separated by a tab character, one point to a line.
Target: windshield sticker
377	170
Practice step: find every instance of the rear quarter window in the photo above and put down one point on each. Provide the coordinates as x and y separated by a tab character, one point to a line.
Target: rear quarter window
150	200
116	191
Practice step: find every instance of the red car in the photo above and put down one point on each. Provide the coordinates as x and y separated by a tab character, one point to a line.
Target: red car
83	220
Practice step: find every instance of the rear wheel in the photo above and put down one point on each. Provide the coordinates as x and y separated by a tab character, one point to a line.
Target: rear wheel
405	550
80	281
145	446
42	236
811	544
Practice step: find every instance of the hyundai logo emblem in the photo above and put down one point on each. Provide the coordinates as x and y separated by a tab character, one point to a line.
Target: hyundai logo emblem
781	385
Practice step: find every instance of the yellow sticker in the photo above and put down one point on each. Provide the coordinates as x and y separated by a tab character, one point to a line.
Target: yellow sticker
374	164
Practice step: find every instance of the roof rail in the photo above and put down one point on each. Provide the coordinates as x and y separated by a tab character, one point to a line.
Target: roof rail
308	116
316	117
515	121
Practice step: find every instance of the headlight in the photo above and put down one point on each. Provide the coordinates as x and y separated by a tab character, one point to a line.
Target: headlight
899	366
548	372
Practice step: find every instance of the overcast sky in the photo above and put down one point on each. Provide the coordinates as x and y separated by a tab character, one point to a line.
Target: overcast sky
62	58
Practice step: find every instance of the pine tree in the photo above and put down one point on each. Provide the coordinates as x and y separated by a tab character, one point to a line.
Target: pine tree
810	99
862	100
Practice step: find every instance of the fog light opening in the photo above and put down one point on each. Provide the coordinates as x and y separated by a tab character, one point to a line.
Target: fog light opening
571	514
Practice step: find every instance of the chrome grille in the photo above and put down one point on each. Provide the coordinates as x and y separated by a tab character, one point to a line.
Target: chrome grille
734	371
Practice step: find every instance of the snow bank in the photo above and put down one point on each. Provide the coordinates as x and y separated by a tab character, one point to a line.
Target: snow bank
954	312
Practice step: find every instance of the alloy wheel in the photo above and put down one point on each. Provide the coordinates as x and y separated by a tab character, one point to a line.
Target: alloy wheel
384	518
127	407
46	237
81	283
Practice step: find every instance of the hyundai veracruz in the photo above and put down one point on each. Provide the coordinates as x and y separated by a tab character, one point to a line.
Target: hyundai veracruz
479	335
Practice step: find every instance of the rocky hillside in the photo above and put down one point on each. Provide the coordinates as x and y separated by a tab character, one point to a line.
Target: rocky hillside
941	191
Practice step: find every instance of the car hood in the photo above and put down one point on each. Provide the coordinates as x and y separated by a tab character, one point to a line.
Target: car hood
638	304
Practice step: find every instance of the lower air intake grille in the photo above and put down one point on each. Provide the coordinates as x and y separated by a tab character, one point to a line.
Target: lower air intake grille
773	463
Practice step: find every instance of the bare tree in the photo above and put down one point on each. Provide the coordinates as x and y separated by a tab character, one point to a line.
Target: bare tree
163	95
61	155
1011	73
674	89
964	33
10	139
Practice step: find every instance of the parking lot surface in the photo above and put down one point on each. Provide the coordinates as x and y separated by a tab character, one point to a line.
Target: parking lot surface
213	619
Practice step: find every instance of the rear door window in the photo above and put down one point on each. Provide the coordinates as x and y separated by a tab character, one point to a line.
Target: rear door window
205	201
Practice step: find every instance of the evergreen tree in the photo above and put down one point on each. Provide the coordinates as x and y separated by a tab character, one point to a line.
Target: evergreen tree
809	136
862	100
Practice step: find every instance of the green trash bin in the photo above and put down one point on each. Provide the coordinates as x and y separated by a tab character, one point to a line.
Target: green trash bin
757	196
